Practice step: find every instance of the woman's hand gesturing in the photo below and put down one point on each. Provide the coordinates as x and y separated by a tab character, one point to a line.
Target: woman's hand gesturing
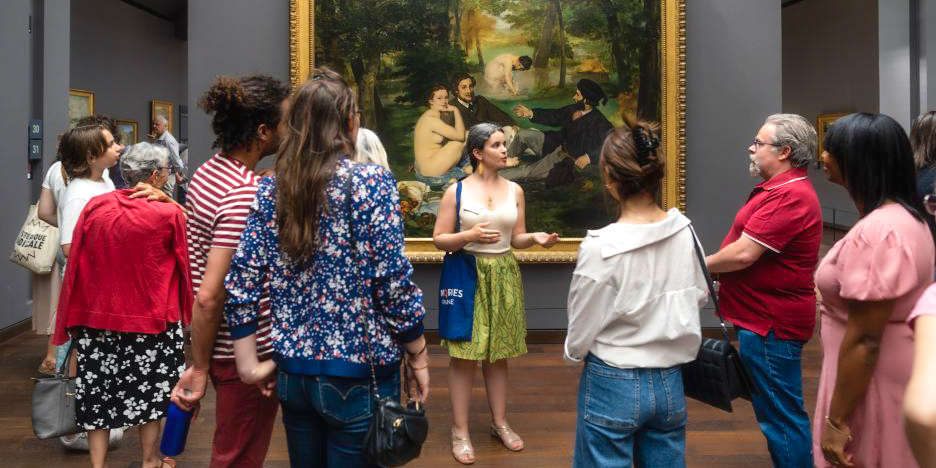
545	240
483	236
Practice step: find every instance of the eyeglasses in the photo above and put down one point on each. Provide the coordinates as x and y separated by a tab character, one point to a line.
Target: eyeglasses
758	144
929	203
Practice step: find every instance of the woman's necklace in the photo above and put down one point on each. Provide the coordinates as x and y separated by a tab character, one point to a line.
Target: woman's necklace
490	203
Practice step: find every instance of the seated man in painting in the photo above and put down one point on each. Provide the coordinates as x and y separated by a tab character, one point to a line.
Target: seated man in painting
437	144
582	130
476	109
499	72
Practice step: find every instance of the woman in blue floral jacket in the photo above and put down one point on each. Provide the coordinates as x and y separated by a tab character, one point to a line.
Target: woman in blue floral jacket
338	281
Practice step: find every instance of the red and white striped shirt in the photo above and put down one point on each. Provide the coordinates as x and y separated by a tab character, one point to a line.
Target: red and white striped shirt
219	197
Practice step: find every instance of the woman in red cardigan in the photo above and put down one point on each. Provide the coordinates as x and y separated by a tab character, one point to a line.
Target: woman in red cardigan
124	302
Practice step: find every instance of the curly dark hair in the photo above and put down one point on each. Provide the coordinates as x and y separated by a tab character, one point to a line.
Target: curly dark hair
240	106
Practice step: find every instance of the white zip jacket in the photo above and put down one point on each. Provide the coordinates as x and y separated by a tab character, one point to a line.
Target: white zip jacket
635	295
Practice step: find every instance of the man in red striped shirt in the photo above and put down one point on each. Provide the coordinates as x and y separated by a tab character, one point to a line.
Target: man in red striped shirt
248	125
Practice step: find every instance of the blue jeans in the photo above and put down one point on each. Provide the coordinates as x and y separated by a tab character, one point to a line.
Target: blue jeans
326	418
630	417
774	366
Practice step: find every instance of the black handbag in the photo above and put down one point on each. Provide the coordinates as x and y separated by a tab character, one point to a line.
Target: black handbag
396	432
717	376
53	403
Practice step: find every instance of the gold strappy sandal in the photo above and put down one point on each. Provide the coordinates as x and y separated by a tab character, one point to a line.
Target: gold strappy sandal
462	449
508	437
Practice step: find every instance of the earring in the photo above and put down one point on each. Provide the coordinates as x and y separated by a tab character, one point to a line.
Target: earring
480	169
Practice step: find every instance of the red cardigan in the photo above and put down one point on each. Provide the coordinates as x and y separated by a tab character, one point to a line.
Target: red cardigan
128	268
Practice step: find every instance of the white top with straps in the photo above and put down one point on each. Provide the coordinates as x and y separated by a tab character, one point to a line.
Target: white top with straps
502	218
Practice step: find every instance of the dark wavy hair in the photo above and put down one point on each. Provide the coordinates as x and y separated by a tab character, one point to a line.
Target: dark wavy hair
318	136
633	169
457	79
240	106
874	156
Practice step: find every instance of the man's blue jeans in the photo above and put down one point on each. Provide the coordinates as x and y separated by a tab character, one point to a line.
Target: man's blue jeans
326	418
775	368
630	417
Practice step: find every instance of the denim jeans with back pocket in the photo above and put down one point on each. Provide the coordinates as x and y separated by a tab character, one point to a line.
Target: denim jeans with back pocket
327	418
630	417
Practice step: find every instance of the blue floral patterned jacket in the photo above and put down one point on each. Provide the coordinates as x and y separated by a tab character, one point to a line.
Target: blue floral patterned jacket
316	304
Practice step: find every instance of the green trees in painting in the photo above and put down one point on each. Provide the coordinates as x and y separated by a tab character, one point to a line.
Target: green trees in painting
406	46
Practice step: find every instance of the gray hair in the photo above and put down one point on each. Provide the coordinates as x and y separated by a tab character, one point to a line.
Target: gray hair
369	149
796	132
477	135
161	119
140	160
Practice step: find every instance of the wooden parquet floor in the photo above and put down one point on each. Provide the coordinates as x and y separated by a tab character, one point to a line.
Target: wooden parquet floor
541	409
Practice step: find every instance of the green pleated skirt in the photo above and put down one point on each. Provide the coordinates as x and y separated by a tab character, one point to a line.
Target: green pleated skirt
499	322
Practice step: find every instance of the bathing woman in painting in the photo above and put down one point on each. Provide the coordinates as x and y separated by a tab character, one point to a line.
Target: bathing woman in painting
438	144
492	220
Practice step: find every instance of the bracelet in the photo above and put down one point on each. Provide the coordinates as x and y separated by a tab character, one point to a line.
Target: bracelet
417	353
835	428
410	365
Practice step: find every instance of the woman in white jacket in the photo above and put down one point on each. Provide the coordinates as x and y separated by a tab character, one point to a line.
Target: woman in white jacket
634	316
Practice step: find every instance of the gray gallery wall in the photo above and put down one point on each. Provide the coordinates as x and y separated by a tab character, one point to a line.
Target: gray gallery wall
733	83
231	37
725	108
16	79
830	65
127	57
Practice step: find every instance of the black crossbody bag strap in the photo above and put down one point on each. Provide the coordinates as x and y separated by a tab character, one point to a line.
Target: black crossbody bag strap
708	280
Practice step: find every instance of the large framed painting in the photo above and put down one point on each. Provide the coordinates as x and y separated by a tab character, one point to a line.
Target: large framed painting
414	64
80	104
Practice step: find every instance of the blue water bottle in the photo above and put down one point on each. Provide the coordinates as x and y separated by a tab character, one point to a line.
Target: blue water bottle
176	431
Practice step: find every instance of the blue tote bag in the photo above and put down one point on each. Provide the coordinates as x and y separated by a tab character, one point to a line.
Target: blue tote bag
457	288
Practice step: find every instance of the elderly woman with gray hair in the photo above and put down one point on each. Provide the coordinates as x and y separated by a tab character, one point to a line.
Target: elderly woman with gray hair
124	302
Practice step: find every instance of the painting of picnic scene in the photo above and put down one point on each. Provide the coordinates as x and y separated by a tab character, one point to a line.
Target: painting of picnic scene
557	75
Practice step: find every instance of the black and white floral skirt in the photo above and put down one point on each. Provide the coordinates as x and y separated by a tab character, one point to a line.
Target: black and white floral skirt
125	379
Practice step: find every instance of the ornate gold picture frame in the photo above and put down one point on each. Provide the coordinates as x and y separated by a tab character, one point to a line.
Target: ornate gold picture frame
672	101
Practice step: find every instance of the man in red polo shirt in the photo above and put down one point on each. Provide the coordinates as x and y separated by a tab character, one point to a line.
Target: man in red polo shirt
765	266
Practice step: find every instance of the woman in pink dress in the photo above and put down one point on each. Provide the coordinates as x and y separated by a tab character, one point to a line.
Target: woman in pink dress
869	282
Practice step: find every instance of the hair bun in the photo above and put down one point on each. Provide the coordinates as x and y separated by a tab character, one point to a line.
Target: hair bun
224	95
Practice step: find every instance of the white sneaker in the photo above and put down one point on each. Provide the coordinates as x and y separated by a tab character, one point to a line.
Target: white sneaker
79	441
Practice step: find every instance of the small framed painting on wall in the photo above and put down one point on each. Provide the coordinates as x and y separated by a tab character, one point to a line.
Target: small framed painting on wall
163	108
128	131
80	104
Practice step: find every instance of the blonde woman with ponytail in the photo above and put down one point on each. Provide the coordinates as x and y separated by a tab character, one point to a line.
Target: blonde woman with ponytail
634	315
